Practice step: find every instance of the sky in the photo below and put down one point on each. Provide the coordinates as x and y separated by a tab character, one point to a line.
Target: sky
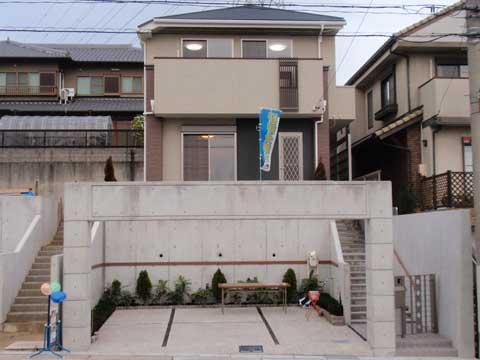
351	53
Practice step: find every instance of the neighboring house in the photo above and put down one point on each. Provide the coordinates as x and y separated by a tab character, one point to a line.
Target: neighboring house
103	80
209	73
93	91
413	113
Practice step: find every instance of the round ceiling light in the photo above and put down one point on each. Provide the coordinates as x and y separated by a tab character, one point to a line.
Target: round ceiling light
194	46
277	47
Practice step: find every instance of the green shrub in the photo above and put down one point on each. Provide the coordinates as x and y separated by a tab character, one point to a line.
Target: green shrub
202	297
406	201
310	284
102	311
144	286
291	278
218	278
182	286
330	304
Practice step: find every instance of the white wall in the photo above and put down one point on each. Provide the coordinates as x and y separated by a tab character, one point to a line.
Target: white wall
441	243
15	264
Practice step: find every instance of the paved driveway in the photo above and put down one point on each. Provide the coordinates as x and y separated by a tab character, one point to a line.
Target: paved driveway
193	331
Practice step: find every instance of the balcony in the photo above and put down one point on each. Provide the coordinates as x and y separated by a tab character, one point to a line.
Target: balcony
189	87
20	90
448	98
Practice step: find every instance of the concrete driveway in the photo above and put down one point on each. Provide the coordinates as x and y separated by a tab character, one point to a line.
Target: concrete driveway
193	331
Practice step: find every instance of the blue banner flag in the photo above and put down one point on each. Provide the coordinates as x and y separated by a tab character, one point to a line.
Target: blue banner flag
269	121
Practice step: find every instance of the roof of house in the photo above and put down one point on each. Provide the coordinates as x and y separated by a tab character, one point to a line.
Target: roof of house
78	105
252	12
75	52
13	49
392	40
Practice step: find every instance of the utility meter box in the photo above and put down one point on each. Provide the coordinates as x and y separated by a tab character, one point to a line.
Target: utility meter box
400	296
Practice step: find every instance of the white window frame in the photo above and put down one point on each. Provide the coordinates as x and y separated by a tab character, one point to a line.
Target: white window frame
281	136
208	132
182	40
267	40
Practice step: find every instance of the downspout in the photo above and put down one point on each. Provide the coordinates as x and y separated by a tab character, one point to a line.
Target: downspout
435	129
317	122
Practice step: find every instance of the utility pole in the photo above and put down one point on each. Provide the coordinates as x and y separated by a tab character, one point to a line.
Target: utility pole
473	42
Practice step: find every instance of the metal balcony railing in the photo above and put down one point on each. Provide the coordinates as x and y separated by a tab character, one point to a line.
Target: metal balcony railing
23	90
71	139
447	190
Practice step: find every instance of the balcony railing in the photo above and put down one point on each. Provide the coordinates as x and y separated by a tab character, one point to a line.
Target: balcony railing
71	139
447	190
20	90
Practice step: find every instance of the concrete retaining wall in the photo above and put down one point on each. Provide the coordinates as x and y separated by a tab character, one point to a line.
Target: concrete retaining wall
247	229
21	168
441	243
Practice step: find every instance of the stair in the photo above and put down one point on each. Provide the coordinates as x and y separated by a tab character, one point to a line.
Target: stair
29	311
430	345
353	247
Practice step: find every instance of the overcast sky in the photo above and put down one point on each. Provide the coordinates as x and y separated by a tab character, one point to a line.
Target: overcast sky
123	16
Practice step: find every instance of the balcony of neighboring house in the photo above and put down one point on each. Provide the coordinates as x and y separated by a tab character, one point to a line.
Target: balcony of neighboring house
28	84
445	98
237	86
452	189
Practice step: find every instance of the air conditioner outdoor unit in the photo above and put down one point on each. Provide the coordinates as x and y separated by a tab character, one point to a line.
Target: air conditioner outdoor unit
67	94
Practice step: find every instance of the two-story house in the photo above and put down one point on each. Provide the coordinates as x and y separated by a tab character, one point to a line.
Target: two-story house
209	73
105	80
413	112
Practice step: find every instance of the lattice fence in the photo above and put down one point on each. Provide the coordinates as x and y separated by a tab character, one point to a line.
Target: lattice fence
447	190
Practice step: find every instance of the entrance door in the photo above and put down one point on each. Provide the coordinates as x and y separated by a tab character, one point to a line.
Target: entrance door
290	151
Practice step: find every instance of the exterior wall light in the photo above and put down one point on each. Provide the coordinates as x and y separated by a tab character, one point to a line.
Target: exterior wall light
194	46
277	47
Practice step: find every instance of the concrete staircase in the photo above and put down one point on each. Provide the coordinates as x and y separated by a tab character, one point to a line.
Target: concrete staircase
431	345
352	240
29	312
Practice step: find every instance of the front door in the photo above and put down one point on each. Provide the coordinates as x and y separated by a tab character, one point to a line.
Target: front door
290	151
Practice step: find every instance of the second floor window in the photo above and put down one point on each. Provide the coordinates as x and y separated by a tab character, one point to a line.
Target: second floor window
90	85
210	48
452	71
370	109
261	49
132	85
27	83
388	91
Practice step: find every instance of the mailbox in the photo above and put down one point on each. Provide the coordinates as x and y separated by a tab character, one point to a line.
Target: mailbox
399	296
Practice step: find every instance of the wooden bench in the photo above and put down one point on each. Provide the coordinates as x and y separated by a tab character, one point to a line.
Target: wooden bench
254	287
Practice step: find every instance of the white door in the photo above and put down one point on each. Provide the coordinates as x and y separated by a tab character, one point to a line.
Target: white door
290	152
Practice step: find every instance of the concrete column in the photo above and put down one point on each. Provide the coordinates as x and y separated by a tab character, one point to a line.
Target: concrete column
77	268
379	271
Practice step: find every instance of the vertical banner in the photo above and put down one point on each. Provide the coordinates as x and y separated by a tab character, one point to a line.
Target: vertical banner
268	129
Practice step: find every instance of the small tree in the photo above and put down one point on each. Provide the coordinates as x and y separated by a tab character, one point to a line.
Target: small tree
109	170
291	278
138	125
320	173
144	286
218	278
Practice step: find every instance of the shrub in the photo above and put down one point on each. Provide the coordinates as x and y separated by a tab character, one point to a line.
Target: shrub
330	304
144	286
182	286
109	170
102	311
202	296
218	278
406	201
310	284
320	173
291	278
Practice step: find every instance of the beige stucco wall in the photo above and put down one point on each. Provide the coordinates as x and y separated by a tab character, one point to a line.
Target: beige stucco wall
449	149
29	67
254	84
172	143
169	45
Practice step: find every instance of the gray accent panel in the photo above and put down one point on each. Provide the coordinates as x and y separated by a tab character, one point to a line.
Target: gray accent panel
247	148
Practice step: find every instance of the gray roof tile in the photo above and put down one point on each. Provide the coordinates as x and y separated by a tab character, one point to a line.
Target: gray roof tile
75	52
252	12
